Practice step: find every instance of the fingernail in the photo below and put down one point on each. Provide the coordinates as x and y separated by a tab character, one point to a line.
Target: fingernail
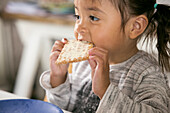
64	40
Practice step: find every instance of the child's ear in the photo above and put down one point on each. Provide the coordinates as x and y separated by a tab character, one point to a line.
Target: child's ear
138	26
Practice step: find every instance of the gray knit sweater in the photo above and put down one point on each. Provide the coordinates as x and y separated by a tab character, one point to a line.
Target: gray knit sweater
137	86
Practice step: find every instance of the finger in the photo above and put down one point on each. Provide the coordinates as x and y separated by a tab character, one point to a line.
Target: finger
97	65
93	65
92	62
54	55
96	51
58	45
102	49
58	42
96	62
57	48
64	40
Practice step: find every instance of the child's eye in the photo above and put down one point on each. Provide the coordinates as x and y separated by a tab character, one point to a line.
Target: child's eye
77	17
93	18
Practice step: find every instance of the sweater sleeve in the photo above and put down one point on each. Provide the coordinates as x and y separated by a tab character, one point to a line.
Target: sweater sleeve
65	95
59	95
151	96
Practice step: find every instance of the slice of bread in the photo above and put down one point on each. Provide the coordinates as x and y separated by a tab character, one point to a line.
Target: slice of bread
74	51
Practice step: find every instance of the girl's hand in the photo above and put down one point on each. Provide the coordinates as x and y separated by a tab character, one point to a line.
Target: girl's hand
98	59
57	72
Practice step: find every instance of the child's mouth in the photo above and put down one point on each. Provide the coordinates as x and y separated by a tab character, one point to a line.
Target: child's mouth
81	38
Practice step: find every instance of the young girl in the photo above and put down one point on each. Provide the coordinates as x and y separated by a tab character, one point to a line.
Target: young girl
117	78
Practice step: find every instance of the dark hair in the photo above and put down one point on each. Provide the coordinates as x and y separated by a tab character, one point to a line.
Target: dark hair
158	26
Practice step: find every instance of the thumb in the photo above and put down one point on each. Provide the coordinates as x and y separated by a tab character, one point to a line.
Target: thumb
92	63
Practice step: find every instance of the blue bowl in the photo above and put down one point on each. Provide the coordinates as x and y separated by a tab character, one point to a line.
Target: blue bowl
27	106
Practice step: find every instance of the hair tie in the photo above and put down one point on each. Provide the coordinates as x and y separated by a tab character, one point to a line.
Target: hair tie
155	5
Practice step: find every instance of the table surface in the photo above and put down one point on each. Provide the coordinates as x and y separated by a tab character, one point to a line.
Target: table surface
6	95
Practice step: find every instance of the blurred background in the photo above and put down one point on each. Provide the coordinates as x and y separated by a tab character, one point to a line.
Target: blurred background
28	29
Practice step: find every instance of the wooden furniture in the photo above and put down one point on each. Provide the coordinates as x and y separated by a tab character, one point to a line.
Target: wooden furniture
49	18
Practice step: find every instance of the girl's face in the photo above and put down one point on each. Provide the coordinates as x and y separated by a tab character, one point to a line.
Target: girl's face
100	23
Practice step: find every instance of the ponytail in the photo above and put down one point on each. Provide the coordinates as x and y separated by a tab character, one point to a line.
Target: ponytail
160	24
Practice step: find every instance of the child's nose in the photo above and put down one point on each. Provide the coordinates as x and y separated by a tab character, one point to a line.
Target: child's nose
81	27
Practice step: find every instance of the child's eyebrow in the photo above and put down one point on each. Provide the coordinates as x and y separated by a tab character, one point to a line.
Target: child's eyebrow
92	9
95	9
